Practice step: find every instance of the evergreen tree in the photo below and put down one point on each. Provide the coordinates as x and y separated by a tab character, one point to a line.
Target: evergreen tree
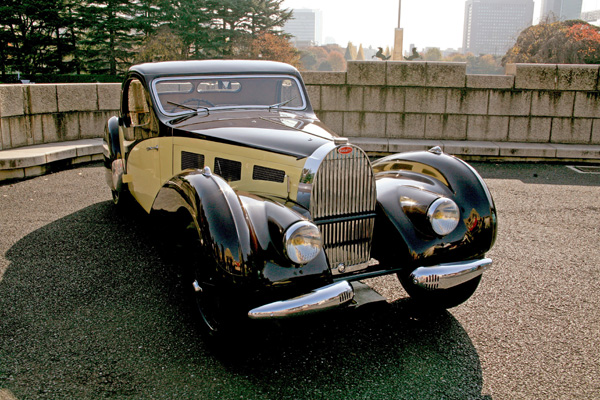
152	14
105	36
191	21
72	31
109	41
234	21
266	16
32	38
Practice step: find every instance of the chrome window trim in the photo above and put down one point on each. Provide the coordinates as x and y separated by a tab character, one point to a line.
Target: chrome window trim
182	77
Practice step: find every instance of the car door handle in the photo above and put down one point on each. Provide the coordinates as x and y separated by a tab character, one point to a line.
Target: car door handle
152	148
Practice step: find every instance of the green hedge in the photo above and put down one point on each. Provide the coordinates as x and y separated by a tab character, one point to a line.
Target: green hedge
55	78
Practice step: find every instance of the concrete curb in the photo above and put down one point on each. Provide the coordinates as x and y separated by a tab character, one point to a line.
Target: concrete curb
482	150
32	161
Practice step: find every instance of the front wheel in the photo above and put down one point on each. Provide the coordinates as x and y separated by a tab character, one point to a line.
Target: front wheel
216	306
439	298
215	315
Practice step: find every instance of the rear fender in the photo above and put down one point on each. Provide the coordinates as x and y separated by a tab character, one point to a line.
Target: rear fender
113	155
111	142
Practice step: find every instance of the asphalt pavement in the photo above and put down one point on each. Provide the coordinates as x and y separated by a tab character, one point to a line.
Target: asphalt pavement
91	308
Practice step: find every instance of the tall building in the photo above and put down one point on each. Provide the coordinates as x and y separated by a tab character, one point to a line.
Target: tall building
492	26
561	10
306	27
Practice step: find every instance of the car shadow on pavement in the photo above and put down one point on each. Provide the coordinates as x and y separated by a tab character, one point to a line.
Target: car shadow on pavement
382	351
88	309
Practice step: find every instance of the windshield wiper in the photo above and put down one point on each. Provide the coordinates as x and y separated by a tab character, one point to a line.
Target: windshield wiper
283	103
188	107
187	116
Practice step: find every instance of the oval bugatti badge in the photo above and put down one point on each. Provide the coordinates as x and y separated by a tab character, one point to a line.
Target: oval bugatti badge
345	150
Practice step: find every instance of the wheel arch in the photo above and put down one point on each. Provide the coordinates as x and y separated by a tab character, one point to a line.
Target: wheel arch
241	232
217	213
433	173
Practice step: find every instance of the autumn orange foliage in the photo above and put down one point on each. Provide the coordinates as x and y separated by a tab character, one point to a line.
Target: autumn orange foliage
267	46
564	42
581	32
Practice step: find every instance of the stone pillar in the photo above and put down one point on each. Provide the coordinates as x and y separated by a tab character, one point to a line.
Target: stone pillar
398	38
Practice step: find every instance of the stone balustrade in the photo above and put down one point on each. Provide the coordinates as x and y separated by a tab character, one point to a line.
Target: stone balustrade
49	113
373	101
534	103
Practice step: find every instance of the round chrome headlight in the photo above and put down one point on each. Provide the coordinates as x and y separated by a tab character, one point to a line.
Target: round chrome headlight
443	214
302	242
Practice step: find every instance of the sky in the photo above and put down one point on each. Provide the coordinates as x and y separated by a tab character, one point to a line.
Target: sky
426	23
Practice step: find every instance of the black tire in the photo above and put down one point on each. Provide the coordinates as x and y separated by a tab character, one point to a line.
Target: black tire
215	306
439	299
122	198
213	309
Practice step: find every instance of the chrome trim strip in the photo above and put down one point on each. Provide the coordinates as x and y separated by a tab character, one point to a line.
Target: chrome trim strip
321	299
445	276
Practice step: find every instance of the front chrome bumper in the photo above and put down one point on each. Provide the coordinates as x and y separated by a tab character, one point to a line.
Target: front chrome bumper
441	276
324	298
445	276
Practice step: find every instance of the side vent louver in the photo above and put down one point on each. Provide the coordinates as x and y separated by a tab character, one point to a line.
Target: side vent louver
228	169
267	174
191	160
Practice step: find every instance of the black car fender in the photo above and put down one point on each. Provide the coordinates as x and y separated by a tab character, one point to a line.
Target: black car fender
241	234
407	184
113	155
111	142
216	212
269	219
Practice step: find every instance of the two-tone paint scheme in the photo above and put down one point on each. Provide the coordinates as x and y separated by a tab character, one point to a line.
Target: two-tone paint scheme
240	179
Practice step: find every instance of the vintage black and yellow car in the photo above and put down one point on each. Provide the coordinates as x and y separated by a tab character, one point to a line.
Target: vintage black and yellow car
280	214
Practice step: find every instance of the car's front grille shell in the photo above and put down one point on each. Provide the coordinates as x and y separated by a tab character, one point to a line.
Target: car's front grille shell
343	199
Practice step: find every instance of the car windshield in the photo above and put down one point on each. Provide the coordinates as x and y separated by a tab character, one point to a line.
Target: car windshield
183	95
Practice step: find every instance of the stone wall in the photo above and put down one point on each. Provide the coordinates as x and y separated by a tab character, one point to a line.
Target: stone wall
47	113
533	103
373	101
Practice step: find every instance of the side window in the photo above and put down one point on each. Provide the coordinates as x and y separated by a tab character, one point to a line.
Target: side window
143	123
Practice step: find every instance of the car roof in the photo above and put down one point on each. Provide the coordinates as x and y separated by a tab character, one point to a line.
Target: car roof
217	67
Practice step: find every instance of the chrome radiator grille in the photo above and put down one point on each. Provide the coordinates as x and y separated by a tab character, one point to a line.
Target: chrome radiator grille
343	200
